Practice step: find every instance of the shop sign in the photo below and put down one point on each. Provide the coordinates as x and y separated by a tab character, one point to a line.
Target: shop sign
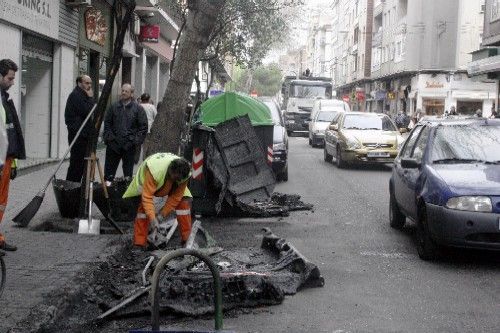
40	16
380	95
215	92
360	95
150	33
433	84
96	27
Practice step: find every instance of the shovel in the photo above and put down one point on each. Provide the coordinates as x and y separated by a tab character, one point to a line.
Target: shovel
90	225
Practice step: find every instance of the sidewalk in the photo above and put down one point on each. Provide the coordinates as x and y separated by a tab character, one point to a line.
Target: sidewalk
44	261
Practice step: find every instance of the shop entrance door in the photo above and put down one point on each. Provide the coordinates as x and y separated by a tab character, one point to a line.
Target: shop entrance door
433	107
36	95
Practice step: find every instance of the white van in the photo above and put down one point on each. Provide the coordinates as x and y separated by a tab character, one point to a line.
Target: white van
323	112
328	104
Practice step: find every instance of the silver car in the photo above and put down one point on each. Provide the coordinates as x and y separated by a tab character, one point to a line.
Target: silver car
319	124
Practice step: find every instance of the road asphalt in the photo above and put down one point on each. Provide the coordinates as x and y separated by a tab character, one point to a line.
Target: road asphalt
374	280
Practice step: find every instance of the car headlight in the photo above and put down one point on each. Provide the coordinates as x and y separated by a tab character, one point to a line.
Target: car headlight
471	204
279	146
352	143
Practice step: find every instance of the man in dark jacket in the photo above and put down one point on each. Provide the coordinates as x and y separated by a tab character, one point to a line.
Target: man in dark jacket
15	149
125	127
78	106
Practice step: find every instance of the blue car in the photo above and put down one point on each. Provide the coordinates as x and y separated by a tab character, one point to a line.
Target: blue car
446	178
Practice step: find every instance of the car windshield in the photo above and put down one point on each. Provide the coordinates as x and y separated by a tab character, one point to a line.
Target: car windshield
308	91
275	112
326	116
366	122
466	144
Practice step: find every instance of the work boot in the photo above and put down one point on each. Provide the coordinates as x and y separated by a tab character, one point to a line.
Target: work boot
7	247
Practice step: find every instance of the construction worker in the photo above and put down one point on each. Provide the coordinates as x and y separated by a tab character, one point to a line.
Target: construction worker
15	149
161	175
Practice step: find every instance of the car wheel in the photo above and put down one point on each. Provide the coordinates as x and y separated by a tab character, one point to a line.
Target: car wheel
327	157
284	174
396	218
426	247
340	162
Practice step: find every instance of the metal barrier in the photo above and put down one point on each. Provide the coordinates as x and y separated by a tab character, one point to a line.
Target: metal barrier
155	311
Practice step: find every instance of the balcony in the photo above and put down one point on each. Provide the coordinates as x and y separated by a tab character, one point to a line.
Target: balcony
377	38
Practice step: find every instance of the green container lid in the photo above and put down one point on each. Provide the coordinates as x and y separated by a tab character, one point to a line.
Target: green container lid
231	105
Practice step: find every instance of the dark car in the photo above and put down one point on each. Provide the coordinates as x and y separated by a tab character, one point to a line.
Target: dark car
446	178
280	142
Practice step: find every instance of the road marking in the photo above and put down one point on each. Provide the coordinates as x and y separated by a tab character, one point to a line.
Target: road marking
393	255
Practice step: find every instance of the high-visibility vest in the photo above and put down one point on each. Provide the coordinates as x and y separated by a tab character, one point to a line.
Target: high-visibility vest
158	165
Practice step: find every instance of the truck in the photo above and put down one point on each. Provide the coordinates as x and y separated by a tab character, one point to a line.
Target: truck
299	95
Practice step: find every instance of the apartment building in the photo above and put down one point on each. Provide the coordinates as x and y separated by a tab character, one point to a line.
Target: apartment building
419	52
352	49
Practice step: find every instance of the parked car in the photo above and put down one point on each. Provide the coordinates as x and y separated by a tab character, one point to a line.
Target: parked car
361	137
329	104
447	179
318	125
280	142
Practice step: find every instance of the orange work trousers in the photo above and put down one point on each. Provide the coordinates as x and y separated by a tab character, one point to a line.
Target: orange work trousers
4	189
141	224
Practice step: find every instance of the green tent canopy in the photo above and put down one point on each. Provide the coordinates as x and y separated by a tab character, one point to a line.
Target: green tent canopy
231	105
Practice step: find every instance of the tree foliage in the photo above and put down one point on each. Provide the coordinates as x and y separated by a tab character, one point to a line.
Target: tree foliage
265	80
247	30
241	31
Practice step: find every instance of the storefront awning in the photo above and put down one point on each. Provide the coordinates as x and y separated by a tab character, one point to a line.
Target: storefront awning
468	94
483	66
432	94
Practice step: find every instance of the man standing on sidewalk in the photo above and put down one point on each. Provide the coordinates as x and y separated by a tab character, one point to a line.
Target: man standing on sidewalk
15	148
125	128
78	106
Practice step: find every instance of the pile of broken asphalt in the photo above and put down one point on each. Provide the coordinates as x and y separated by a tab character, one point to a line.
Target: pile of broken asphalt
59	281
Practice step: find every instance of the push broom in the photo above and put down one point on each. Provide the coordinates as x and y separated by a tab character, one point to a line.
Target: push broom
24	217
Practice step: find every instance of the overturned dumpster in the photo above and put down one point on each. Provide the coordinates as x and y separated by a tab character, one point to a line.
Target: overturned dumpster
230	145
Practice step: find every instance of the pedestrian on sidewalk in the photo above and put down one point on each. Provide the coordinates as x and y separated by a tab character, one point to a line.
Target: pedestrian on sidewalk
79	104
125	127
150	109
15	149
161	175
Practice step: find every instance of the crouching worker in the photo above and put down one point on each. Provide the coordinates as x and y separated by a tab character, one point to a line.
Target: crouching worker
161	175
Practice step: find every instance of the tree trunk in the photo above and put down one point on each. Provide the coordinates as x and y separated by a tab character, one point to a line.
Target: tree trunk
167	127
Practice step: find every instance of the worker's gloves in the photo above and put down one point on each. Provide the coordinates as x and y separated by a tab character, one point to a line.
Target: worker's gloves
154	225
13	173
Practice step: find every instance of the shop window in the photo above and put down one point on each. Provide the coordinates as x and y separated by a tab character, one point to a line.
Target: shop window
469	107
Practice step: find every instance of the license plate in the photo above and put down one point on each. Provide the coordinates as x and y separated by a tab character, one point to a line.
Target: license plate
377	154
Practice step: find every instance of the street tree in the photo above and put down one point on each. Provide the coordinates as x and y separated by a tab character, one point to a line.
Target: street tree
265	80
240	31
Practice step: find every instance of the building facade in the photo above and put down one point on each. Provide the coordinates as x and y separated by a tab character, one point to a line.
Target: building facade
42	39
418	54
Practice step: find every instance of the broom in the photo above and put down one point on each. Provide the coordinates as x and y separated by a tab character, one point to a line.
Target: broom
24	217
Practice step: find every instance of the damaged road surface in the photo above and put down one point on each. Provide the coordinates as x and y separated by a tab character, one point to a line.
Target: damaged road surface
250	277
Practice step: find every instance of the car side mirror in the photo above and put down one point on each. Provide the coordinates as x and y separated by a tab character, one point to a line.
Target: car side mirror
403	130
334	127
410	163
